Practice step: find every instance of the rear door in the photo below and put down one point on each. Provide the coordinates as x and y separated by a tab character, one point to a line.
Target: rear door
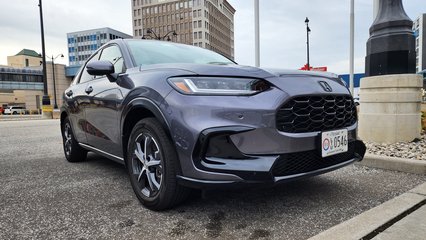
77	100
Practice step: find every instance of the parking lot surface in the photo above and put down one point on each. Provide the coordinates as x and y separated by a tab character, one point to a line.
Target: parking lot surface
42	196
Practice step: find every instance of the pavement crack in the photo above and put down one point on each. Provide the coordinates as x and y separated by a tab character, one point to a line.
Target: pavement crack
391	222
421	194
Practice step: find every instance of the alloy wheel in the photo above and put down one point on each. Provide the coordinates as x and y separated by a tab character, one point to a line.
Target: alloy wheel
147	166
68	139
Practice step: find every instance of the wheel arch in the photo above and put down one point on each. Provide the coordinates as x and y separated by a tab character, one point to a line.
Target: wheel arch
135	111
64	114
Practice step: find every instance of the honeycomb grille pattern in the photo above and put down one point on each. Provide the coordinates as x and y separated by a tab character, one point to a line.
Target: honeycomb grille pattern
316	113
302	162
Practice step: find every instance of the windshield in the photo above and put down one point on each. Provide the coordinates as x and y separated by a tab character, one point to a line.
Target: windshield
156	52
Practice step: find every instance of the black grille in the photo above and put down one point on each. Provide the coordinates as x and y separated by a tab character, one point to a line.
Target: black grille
316	113
302	162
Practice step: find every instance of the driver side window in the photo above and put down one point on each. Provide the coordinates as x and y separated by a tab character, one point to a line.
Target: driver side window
113	54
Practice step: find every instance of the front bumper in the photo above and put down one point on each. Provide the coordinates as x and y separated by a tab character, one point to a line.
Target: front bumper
240	155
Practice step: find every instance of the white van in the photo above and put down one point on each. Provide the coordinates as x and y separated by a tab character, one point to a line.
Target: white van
14	110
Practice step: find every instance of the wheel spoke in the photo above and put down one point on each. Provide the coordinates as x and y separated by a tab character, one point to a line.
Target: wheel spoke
157	154
154	182
139	154
146	146
153	163
141	174
150	176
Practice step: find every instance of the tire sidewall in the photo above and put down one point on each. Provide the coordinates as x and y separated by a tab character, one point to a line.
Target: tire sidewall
67	121
147	126
77	154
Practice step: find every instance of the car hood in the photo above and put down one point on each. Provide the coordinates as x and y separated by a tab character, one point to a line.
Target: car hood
292	82
212	70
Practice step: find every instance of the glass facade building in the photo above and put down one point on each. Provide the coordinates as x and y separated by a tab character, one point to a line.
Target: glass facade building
20	79
83	43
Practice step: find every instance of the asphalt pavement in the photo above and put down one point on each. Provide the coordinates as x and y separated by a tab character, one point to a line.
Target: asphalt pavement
42	196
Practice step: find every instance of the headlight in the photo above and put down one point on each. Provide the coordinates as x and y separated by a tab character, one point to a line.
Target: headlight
218	85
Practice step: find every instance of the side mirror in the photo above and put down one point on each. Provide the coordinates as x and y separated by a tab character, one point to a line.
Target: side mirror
100	68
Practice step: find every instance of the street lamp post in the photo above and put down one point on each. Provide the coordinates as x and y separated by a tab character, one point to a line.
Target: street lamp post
308	30
55	106
46	99
256	33
150	31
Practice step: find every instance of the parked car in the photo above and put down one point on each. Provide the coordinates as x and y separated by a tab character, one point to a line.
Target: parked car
15	110
1	110
181	117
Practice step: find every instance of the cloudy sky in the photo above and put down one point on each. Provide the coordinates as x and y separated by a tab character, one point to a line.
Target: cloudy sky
283	32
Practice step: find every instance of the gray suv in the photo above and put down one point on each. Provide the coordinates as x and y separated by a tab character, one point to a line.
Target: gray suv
181	117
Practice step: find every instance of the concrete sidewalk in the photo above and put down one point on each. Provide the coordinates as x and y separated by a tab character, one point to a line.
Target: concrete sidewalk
400	218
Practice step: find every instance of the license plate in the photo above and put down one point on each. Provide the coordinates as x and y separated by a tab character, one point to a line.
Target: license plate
334	142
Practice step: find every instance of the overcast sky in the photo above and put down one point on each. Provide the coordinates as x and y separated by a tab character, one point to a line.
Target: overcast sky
283	32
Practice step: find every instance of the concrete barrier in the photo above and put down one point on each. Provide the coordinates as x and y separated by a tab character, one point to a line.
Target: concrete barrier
390	108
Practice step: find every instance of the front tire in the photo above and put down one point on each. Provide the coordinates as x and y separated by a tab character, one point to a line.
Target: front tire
152	165
73	151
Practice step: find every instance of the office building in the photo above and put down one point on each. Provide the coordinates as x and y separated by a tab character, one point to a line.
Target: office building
419	29
83	43
204	23
21	81
25	58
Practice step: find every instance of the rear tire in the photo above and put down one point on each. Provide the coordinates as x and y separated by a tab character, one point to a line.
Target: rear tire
152	164
73	151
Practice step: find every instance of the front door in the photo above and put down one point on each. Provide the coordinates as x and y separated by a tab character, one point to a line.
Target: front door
102	112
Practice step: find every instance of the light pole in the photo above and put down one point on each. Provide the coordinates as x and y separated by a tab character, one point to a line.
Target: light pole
308	30
55	106
256	33
150	31
46	99
351	47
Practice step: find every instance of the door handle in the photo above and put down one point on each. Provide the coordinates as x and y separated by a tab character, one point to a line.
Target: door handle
69	93
89	90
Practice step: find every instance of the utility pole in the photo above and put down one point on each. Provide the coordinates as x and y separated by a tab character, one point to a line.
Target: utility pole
46	99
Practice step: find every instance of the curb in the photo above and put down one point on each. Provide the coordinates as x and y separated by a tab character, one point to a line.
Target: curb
393	163
20	117
376	220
